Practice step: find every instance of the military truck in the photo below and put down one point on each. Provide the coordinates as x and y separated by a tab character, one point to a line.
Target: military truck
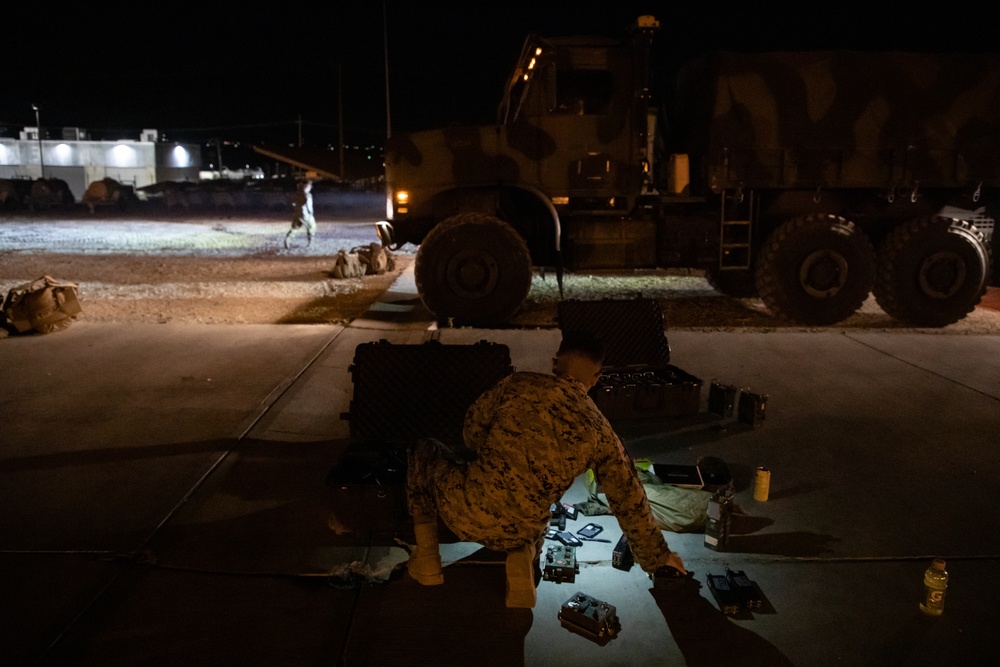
811	179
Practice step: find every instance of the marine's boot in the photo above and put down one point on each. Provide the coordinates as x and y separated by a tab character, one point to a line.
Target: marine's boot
521	577
425	561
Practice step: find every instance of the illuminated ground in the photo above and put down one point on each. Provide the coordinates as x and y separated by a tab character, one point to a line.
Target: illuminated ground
223	270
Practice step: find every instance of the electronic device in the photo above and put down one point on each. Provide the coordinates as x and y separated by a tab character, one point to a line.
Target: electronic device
725	596
590	617
567	538
747	591
590	530
560	564
621	557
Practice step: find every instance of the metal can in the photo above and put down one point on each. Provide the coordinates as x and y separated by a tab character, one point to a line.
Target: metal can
762	484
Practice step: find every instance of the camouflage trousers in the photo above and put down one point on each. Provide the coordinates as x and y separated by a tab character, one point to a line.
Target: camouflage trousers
436	487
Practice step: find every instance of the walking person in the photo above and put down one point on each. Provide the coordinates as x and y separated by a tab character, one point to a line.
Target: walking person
302	213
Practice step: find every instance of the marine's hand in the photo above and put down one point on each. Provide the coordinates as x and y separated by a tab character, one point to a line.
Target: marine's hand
675	562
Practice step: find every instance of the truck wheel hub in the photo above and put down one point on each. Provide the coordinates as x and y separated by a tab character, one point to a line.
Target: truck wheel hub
942	274
823	274
472	274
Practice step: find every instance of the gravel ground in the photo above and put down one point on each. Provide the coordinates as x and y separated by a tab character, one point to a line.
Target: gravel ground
234	270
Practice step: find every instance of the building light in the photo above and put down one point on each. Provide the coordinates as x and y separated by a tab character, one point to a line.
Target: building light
64	154
180	157
122	155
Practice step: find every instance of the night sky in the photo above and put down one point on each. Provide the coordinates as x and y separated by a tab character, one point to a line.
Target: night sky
253	71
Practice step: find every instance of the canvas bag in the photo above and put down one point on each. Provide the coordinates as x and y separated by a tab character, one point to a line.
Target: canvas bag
376	259
43	305
347	265
676	509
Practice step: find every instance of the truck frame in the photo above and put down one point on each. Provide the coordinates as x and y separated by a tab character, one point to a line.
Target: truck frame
809	179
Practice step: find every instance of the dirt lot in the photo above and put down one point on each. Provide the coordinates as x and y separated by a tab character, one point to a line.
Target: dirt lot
234	270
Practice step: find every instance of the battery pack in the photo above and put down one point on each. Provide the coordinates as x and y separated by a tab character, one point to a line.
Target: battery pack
752	408
721	399
621	557
747	591
725	596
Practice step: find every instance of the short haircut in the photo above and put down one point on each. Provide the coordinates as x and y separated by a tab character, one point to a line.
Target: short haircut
581	341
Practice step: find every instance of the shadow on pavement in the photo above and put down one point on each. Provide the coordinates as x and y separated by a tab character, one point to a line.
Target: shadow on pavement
705	636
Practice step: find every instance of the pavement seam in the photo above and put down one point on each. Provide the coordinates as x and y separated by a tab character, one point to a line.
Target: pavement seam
137	555
926	370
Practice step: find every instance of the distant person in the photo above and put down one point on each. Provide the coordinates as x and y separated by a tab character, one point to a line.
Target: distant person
302	213
527	440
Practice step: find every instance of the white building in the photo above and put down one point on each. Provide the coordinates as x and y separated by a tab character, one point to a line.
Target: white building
80	162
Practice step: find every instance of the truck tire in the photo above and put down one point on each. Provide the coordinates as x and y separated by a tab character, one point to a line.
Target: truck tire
932	271
816	270
737	284
473	269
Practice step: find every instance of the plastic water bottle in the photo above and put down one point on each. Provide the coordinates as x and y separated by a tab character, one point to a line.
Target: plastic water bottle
935	584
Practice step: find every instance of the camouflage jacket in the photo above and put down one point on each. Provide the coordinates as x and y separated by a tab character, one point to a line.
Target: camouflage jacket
534	434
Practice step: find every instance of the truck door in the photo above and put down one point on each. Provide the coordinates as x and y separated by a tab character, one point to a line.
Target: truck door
583	117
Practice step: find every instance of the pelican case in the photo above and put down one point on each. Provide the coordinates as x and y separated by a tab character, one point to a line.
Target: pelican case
406	392
403	393
638	380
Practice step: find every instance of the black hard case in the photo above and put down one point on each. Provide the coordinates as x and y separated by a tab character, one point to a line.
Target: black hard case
406	392
638	380
403	393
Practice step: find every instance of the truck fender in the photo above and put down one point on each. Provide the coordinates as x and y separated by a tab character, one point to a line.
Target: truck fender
544	200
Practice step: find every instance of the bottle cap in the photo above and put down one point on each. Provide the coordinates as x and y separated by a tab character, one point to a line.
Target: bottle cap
938	564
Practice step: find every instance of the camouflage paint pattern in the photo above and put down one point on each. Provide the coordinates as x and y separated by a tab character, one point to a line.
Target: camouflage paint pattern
542	140
839	119
533	435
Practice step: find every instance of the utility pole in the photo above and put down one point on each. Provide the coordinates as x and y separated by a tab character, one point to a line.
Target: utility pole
340	118
385	49
38	128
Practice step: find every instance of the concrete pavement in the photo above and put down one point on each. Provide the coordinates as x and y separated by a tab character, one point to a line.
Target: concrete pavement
164	501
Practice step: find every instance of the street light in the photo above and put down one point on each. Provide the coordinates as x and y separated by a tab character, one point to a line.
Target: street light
38	129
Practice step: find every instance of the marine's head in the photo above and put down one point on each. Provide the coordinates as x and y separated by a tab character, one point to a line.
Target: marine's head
580	356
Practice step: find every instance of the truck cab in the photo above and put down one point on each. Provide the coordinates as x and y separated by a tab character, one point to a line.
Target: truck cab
570	145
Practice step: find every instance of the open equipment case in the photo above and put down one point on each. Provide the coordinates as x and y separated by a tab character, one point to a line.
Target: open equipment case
638	379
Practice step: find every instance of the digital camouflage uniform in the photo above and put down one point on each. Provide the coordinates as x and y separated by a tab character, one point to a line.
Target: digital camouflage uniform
533	435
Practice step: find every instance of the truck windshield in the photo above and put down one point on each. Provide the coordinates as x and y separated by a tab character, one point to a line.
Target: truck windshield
583	92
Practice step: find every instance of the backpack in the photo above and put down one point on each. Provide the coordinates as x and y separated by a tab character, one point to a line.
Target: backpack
376	259
43	305
347	265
